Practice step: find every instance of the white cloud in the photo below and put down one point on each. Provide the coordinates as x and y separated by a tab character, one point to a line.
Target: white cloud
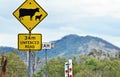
90	7
76	7
103	8
8	40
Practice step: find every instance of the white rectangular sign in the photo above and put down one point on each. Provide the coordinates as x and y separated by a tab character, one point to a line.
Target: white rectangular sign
47	45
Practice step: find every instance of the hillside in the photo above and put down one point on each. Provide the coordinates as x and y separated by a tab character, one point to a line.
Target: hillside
6	49
74	45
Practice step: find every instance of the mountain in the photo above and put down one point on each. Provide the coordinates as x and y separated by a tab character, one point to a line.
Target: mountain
74	45
6	49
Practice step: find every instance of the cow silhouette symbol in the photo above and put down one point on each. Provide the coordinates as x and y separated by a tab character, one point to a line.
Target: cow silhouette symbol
27	12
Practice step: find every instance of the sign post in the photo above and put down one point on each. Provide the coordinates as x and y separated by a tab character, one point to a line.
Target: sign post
30	14
46	46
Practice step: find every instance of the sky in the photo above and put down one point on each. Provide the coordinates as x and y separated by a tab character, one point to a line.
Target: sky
99	18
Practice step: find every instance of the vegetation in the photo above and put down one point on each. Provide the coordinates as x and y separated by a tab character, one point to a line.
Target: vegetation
54	68
83	67
15	66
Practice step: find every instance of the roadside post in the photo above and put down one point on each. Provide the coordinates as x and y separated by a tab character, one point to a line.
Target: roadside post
68	68
30	14
4	65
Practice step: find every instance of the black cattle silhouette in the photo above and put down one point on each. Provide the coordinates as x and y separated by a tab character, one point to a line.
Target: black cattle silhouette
38	17
27	12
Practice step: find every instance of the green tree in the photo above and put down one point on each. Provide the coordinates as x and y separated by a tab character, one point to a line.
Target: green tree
55	68
83	66
15	66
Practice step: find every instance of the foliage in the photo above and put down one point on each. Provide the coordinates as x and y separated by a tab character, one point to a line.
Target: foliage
93	67
86	67
15	66
54	68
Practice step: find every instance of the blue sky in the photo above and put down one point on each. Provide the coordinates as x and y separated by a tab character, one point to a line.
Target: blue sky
99	18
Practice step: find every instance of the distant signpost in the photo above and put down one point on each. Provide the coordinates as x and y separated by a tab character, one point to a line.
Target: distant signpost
47	45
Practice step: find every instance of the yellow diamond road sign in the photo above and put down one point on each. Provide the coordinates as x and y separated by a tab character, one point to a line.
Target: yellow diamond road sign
30	14
29	42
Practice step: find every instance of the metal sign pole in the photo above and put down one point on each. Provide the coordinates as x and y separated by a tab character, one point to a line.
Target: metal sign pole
46	69
29	62
29	65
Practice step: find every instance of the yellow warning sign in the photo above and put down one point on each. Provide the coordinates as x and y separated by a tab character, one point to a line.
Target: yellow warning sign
30	14
29	42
